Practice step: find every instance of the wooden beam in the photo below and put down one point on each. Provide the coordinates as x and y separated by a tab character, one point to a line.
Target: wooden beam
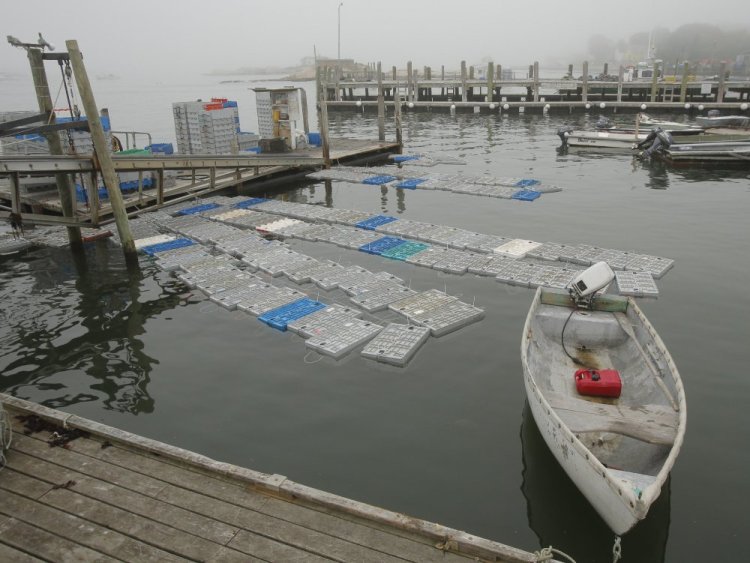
111	181
655	82
64	184
585	85
683	85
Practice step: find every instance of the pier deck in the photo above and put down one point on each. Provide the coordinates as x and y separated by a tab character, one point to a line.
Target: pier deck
104	494
221	171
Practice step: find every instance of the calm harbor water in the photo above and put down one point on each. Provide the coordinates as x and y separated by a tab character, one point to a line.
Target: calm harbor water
448	438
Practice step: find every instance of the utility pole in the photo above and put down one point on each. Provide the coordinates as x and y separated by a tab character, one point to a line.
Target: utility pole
101	149
64	185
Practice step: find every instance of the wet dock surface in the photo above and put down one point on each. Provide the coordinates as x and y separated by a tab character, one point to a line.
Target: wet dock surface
75	490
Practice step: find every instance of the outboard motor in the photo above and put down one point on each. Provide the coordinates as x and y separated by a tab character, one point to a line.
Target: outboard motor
604	123
656	139
564	132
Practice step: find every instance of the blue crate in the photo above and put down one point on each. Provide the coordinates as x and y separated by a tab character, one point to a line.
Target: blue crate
161	148
314	139
374	222
255	150
381	245
404	157
164	246
404	251
198	209
379	180
249	203
526	195
281	316
229	104
526	183
411	183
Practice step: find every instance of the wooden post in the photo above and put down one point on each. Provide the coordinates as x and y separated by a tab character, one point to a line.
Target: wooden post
722	83
323	123
415	87
585	86
606	69
15	193
409	84
683	85
381	106
655	82
394	73
63	181
337	92
536	81
490	81
397	115
620	77
140	185
94	198
101	148
498	72
570	71
471	72
464	92
442	73
160	180
211	178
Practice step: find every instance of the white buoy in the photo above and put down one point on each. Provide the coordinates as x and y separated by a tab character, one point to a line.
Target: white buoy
492	106
453	108
411	105
743	106
359	103
506	107
588	106
546	107
643	107
700	107
602	105
687	106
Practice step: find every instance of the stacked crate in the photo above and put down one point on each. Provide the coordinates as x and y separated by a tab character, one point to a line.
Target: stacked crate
36	144
206	127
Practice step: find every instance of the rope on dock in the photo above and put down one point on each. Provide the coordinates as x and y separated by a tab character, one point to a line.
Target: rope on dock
6	434
547	553
616	550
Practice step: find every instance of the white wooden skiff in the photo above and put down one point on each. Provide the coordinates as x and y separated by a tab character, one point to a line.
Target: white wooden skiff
618	452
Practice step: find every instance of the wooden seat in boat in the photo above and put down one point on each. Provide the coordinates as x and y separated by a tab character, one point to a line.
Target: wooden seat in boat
655	424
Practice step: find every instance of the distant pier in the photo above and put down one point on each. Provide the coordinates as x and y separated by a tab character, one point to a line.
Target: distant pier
497	91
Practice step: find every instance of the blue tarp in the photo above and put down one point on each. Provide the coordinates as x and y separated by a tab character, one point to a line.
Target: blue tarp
381	245
281	316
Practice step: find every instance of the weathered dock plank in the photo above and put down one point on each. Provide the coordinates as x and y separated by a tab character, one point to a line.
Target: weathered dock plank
110	494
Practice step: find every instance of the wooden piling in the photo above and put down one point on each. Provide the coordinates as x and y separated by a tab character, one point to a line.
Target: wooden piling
397	115
323	124
409	85
655	81
585	86
381	106
15	193
536	80
490	81
64	183
683	84
720	90
620	77
464	92
111	181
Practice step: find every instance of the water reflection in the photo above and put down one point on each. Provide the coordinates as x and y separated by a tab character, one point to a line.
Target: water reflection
562	517
71	314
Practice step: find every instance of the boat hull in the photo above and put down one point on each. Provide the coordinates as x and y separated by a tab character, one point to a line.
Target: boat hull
620	489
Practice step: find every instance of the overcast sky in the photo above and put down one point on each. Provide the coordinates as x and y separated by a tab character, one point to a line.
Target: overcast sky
174	37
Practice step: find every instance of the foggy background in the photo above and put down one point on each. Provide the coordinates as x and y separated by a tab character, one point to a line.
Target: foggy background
171	38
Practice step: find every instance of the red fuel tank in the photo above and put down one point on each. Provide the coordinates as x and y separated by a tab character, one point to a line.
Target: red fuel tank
598	382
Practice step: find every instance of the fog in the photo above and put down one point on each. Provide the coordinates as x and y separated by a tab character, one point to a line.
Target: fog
172	38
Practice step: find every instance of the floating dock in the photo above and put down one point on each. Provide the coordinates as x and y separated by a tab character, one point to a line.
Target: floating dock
77	490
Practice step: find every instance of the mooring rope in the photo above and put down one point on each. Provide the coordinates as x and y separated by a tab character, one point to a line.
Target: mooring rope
6	435
617	550
547	553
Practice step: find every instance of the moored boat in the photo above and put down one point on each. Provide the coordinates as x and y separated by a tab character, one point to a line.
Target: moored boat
618	451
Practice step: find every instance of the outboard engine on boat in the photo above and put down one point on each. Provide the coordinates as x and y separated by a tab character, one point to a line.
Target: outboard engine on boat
584	286
655	140
564	132
604	123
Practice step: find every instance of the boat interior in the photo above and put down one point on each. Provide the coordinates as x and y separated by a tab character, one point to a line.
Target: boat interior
633	433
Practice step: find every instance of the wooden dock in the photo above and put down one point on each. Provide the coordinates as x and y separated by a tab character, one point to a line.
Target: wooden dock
77	490
494	90
213	173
